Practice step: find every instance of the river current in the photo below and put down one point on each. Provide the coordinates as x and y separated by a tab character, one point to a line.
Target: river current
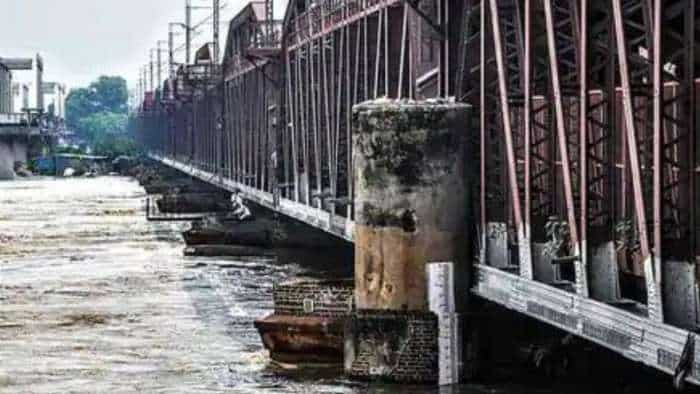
96	299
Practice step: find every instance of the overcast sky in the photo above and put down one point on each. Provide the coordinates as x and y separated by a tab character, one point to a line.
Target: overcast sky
83	39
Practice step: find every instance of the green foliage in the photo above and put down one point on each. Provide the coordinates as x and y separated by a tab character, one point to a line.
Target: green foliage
107	94
110	94
98	124
626	235
114	145
558	237
79	104
69	149
98	113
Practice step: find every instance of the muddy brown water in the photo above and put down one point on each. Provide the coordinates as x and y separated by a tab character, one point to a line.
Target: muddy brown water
95	299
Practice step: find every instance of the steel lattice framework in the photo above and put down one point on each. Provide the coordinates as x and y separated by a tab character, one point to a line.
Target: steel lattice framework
585	120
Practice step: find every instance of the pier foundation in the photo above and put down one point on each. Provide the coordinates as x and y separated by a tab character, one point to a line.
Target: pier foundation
411	209
13	149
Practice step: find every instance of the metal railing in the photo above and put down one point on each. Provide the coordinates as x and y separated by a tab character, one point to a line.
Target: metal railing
265	34
327	15
17	118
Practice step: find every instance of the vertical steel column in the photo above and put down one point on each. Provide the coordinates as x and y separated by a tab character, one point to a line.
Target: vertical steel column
581	281
526	265
188	31
507	127
216	11
150	65
653	288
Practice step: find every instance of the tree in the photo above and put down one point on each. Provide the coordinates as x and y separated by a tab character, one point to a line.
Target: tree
110	94
107	94
79	104
102	123
114	145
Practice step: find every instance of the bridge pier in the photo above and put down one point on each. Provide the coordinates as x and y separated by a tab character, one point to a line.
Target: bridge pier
13	149
411	208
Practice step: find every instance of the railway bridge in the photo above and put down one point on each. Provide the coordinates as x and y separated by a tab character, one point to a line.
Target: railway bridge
581	163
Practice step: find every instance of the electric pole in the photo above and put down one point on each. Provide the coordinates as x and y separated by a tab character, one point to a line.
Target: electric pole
144	72
160	62
151	67
216	16
171	50
188	30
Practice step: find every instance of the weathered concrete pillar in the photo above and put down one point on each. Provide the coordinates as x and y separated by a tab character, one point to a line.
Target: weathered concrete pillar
13	149
7	158
410	198
411	209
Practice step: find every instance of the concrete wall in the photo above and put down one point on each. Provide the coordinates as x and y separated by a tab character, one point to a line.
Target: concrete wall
12	149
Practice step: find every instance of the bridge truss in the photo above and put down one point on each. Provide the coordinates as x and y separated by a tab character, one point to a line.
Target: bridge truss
587	135
589	166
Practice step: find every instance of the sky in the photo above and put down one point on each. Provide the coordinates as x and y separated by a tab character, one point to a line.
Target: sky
80	40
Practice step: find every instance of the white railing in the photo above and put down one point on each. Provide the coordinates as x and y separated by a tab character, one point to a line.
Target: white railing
14	118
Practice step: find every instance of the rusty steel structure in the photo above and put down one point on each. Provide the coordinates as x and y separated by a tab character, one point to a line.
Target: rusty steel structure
340	53
276	119
586	127
587	118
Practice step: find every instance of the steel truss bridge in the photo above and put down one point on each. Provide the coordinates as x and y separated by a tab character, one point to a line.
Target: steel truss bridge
586	123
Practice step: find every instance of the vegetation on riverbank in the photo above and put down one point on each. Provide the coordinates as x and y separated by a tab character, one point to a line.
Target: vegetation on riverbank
98	115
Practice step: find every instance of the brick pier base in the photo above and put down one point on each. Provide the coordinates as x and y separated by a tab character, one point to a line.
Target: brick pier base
392	346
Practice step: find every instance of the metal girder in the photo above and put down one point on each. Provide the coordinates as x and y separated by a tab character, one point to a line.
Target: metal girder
632	30
505	80
466	78
569	59
674	124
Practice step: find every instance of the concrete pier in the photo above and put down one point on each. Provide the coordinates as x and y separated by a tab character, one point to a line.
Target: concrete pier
410	210
13	148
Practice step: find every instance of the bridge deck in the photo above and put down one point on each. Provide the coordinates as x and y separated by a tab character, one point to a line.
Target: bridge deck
318	218
632	335
18	130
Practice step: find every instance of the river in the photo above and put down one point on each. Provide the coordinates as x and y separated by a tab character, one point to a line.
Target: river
95	299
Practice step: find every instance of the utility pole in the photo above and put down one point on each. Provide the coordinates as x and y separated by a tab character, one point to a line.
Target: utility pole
216	16
151	67
171	50
158	80
39	83
145	82
160	62
188	30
